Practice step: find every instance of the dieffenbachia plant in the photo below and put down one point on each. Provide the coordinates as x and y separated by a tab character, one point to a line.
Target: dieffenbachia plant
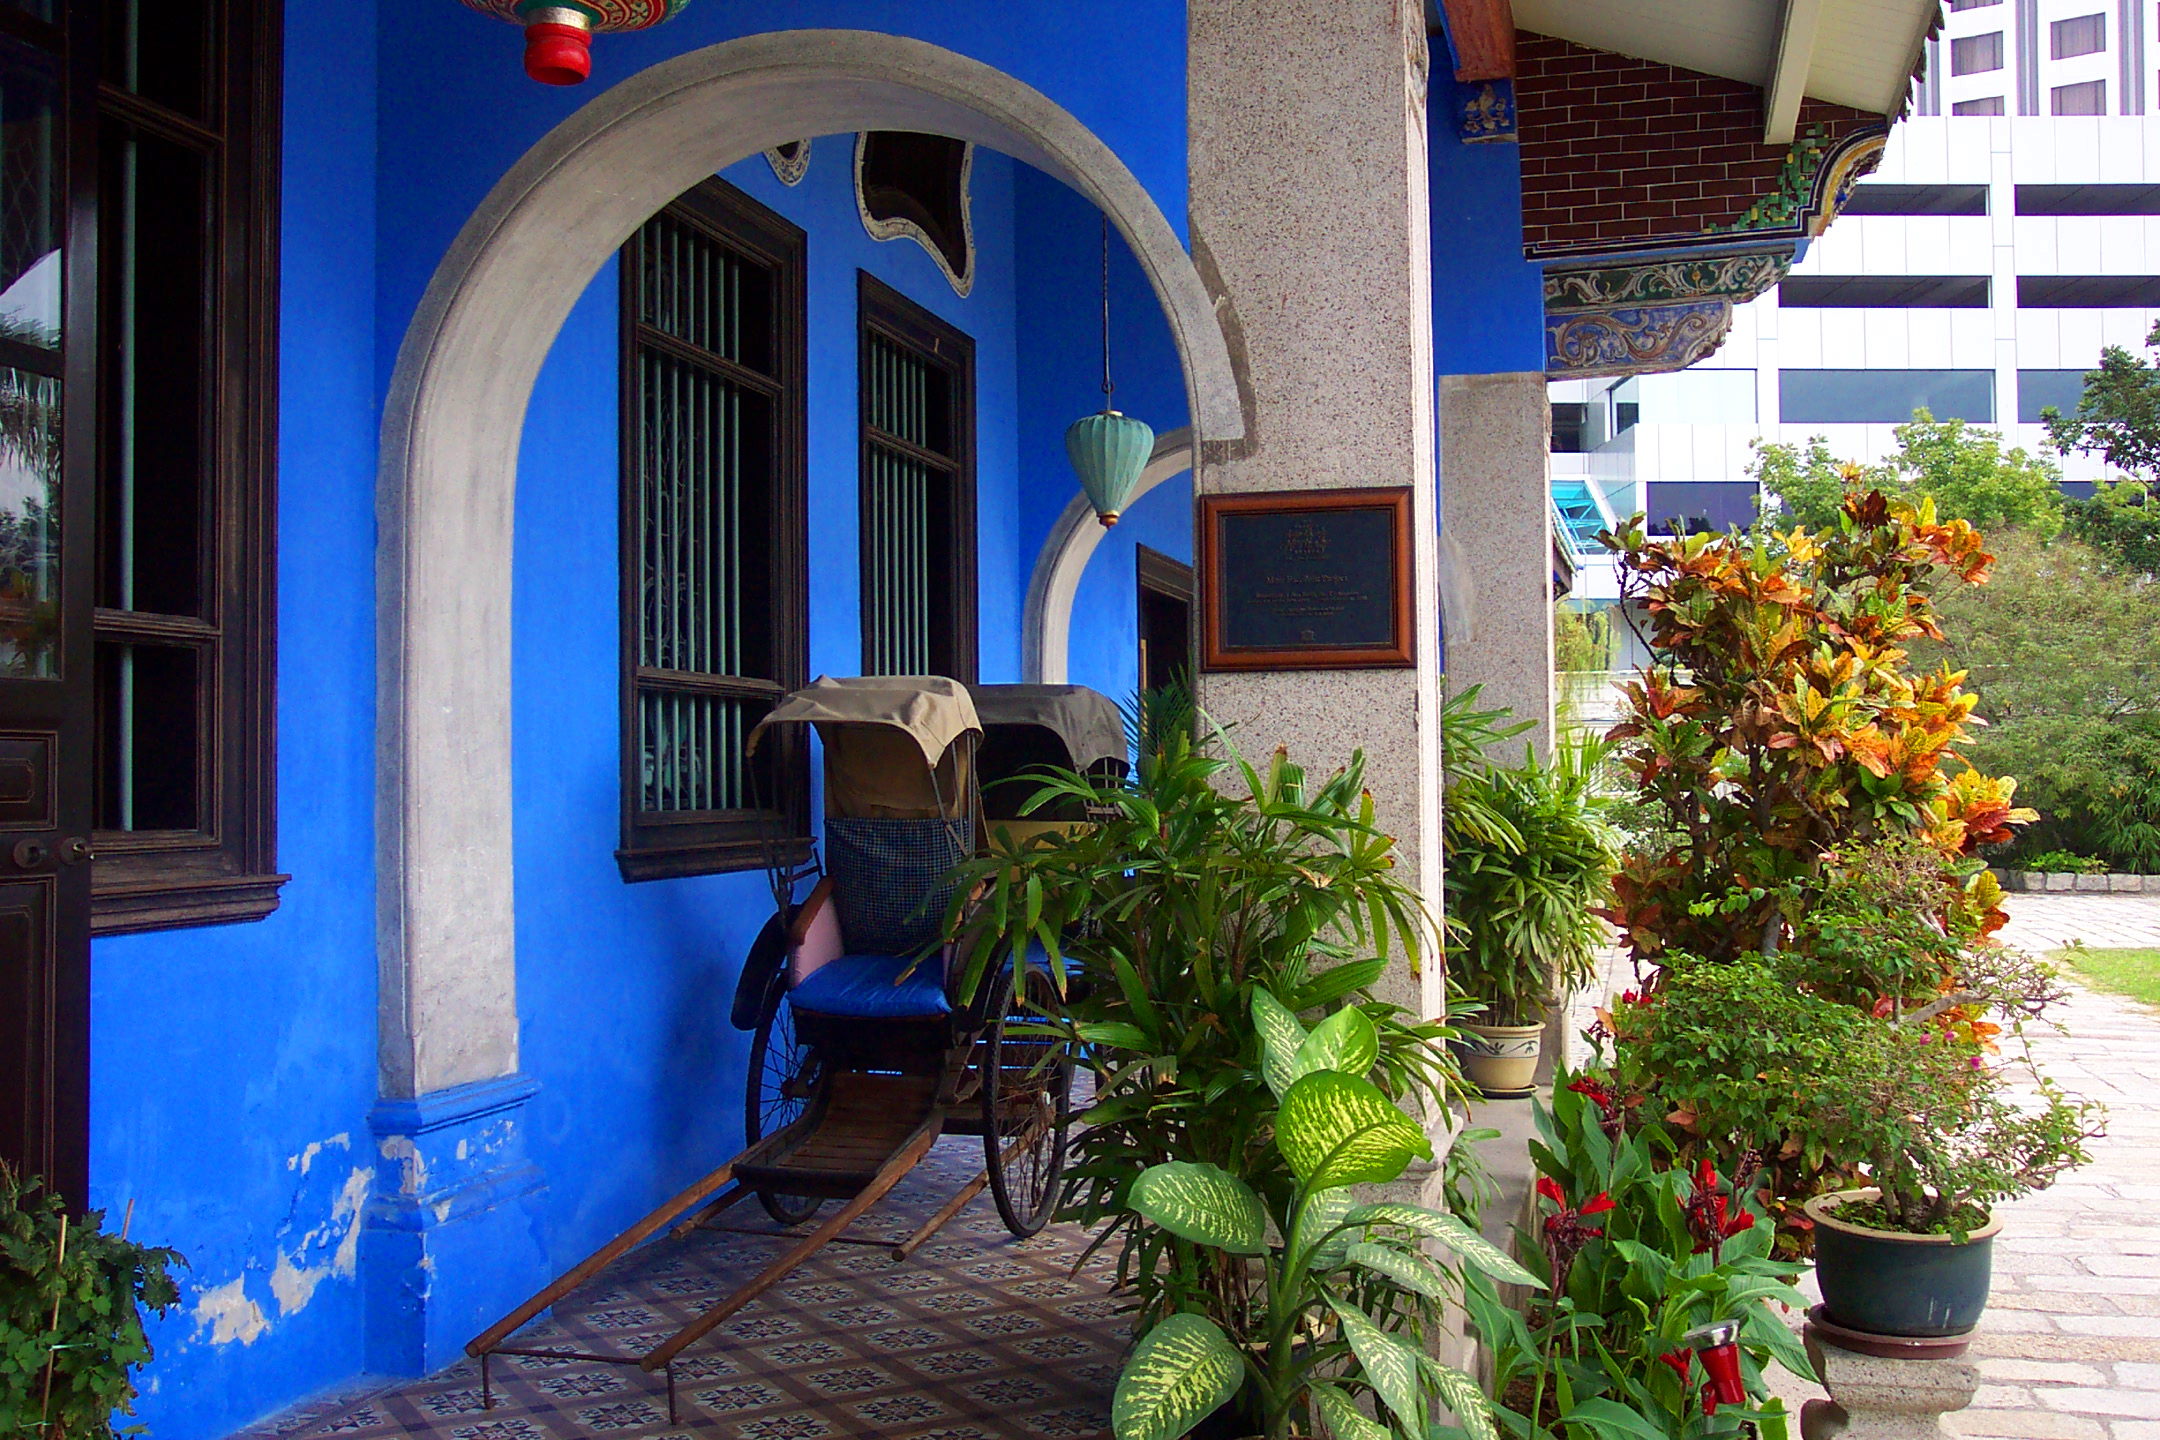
1338	1294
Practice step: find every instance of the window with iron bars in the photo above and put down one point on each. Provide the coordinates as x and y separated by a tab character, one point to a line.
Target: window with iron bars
917	514
714	570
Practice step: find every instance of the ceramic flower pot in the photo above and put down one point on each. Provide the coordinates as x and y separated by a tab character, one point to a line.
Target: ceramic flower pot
1886	1282
1501	1060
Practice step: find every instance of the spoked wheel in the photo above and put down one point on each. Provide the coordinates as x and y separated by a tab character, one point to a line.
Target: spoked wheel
1026	1104
783	1077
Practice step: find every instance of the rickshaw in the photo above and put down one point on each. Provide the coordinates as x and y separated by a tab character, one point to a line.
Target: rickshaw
1029	727
863	1054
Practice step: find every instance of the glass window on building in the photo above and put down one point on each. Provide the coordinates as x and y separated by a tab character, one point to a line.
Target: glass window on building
1884	397
2079	35
1985	105
2088	98
1976	54
1569	421
2040	389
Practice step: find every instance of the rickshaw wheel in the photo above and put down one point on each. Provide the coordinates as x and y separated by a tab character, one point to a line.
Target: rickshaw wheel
1027	1106
783	1076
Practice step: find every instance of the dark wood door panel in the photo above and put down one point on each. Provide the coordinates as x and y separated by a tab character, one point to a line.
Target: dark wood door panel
27	1093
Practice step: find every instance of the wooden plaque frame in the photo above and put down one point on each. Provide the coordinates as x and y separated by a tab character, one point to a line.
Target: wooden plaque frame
1217	653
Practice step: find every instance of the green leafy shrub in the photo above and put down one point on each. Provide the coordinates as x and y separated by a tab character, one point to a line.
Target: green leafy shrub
2062	862
1605	1350
1196	928
1337	1299
1524	899
71	1297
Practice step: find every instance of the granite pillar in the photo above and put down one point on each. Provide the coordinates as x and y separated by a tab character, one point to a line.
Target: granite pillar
1495	433
1309	225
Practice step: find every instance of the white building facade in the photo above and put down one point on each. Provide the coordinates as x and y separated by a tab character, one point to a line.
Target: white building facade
1978	274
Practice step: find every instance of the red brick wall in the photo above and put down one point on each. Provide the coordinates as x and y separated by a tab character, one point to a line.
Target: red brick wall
1618	151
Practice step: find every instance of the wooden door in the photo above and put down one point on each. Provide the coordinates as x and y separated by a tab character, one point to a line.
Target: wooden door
48	437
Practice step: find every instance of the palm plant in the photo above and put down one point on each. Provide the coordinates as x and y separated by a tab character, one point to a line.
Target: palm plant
1529	858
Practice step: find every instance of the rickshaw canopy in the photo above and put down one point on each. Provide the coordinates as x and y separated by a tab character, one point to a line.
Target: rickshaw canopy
889	743
1085	722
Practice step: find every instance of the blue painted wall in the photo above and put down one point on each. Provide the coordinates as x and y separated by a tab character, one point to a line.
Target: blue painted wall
1488	302
1060	308
623	989
234	1067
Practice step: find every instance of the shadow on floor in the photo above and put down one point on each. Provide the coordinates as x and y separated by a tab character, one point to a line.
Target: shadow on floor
976	1337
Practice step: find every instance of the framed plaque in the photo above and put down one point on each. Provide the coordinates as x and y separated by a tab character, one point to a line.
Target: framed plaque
1306	580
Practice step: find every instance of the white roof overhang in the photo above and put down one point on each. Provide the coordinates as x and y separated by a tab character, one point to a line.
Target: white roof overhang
1860	53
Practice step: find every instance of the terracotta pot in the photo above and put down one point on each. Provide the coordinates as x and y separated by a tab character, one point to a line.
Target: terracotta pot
1501	1060
1887	1282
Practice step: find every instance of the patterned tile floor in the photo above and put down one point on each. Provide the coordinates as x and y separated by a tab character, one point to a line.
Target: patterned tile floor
977	1336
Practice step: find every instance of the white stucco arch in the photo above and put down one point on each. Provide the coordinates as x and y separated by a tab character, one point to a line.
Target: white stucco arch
451	426
1046	627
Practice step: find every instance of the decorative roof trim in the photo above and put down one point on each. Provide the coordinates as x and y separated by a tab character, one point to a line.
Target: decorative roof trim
790	162
1645	315
899	227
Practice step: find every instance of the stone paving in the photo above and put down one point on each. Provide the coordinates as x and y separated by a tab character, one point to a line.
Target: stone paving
2070	1348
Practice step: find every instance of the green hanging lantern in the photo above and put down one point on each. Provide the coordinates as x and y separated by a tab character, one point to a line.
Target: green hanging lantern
1109	449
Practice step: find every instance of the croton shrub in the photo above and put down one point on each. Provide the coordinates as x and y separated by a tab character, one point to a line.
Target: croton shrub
1782	722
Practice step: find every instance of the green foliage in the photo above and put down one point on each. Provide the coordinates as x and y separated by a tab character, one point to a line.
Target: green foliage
1965	471
1216	931
2121	520
70	1315
1669	1251
1330	1300
1582	639
1523	899
1740	1059
2063	862
2118	415
2063	650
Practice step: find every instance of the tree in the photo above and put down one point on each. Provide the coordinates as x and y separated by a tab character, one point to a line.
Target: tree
2121	518
2063	649
1964	470
2118	416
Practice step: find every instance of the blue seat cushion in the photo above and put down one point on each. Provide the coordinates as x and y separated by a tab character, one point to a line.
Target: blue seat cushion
862	986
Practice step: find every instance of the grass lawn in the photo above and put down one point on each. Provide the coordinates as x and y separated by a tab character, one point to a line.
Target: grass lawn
2135	973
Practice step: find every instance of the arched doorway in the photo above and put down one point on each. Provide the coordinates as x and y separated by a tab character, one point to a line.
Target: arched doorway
456	405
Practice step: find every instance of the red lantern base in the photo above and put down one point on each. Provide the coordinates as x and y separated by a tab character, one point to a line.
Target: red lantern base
557	54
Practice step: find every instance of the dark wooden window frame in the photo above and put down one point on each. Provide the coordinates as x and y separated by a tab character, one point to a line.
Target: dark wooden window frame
1155	573
226	871
662	846
885	311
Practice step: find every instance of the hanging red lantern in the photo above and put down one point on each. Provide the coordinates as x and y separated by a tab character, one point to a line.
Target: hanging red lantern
558	36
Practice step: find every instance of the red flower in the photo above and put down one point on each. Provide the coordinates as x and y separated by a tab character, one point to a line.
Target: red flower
1682	1362
1597	1204
1550	1189
1565	1234
1709	1213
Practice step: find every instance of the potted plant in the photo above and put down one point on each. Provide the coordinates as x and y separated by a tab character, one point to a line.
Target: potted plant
1217	945
1944	1140
1522	894
71	1300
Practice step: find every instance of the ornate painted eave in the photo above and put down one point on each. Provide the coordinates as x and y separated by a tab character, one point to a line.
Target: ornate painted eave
1641	315
1669	305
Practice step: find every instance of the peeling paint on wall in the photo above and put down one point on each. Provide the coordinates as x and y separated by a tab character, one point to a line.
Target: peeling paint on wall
412	1165
305	1160
229	1315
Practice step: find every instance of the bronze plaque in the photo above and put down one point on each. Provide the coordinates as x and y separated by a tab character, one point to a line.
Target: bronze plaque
1306	580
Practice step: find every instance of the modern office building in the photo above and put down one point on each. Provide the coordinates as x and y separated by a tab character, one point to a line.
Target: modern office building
1978	274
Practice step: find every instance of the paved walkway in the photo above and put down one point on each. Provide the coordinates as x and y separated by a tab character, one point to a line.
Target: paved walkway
2070	1348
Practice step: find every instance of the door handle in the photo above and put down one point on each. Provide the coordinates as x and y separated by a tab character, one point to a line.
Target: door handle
75	850
31	854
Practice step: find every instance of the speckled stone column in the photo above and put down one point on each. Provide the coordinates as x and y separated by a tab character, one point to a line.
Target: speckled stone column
1309	220
1495	431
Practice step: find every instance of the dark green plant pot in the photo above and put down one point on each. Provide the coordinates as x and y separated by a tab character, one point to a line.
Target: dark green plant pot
1888	1283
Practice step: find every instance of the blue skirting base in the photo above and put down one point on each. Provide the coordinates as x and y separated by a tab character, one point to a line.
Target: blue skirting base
452	1236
